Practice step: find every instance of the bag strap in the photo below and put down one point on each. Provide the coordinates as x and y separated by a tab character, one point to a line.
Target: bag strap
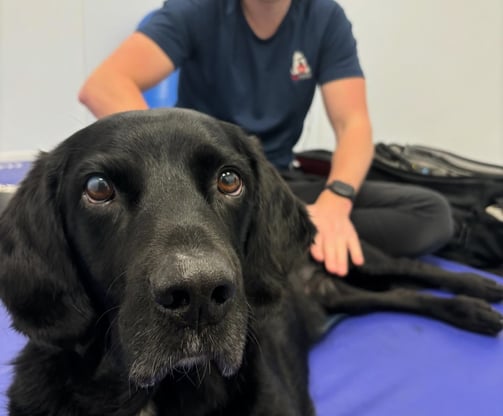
392	155
429	161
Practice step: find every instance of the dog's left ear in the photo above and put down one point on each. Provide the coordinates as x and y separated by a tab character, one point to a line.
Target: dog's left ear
280	232
39	283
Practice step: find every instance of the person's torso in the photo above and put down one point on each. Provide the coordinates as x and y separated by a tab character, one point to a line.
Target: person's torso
265	86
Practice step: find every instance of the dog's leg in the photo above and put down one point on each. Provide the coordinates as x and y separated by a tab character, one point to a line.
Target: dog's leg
468	313
396	271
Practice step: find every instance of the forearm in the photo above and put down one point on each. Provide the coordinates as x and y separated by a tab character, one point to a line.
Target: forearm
345	102
353	154
104	95
331	212
117	84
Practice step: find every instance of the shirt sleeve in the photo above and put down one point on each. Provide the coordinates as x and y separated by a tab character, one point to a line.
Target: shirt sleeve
339	56
169	28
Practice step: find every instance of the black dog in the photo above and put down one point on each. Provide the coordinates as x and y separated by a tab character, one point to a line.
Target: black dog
148	260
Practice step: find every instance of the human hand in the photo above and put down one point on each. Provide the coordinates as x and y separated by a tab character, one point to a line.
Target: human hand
336	237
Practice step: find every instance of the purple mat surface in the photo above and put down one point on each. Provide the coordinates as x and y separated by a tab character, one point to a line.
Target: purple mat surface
387	364
12	172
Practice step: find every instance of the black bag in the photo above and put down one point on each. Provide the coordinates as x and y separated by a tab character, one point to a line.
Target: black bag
474	190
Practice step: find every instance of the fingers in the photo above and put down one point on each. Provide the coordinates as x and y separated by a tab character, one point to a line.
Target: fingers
335	251
317	249
336	240
355	251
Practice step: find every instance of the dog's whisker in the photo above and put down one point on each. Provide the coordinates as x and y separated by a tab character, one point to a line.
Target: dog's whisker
79	310
114	280
199	376
251	335
111	309
110	327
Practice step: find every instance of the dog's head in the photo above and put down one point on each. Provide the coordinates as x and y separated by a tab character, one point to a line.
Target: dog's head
168	224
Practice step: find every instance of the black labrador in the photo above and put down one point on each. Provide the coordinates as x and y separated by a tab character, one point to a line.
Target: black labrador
149	258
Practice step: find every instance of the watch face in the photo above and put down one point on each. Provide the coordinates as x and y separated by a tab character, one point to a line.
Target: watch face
342	189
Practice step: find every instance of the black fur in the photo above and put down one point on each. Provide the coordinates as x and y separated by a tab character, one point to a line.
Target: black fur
174	297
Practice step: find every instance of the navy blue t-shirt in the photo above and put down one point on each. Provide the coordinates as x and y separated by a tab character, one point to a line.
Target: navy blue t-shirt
265	86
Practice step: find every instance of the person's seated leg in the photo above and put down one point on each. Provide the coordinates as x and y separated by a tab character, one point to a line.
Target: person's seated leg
402	219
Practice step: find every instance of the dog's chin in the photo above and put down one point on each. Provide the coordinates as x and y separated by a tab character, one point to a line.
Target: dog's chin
159	351
149	375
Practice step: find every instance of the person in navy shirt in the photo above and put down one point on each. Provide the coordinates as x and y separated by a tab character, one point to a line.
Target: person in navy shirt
257	63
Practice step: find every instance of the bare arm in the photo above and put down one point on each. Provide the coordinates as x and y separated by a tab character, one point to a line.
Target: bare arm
345	102
117	84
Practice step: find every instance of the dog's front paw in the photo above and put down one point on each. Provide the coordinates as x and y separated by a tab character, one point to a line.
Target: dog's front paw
474	315
484	288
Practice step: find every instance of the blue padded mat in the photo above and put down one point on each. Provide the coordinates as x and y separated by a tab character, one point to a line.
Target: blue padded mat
12	172
387	364
381	364
11	342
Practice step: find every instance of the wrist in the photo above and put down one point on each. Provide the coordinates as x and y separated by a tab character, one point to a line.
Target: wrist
335	203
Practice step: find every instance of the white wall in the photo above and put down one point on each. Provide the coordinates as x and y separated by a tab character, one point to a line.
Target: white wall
435	74
434	70
46	50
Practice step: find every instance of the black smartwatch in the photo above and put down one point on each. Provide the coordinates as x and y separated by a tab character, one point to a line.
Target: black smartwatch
342	189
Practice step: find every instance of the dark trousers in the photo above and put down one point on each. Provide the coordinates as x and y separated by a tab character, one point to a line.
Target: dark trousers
400	219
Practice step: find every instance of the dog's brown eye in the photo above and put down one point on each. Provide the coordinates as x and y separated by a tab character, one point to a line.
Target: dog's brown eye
98	190
230	183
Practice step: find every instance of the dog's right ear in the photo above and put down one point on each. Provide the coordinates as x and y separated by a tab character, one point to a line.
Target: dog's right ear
39	283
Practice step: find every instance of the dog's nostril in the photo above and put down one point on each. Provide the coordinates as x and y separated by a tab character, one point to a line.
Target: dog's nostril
174	299
222	293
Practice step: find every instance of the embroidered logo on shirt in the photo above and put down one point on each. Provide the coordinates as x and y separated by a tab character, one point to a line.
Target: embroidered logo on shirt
300	68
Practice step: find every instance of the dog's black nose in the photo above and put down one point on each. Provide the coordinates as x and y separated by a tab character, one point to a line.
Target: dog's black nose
196	302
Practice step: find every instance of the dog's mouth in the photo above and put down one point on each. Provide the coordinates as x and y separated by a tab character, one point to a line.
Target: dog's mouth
212	350
147	376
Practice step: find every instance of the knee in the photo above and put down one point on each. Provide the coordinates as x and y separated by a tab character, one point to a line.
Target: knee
437	225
